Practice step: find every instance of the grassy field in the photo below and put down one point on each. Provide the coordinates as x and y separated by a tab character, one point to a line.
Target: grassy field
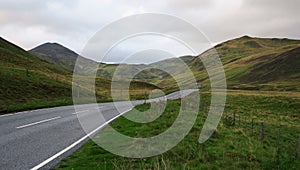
235	145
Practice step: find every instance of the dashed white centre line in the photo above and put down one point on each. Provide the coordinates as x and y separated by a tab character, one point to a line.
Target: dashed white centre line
90	110
35	123
75	113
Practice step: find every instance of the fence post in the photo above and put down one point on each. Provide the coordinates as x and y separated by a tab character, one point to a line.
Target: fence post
278	142
27	72
278	148
252	127
234	118
225	117
78	91
145	95
239	119
245	124
262	131
298	154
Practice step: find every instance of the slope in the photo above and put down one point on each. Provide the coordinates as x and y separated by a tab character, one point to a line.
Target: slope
28	82
252	63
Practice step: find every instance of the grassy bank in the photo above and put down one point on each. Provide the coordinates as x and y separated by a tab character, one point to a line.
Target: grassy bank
27	82
235	145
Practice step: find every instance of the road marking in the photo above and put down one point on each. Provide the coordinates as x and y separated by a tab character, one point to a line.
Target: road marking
75	113
11	114
90	110
18	113
6	115
35	123
76	143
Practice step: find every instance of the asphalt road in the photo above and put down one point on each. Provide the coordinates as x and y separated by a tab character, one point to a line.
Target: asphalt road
40	139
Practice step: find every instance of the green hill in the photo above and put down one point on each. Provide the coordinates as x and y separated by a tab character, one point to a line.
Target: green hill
253	63
249	63
271	64
43	76
28	82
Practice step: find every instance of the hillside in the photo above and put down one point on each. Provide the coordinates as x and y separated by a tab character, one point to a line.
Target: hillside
249	63
253	63
28	82
270	64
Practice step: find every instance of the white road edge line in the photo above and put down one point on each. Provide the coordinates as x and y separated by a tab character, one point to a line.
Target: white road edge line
35	123
76	143
18	113
5	115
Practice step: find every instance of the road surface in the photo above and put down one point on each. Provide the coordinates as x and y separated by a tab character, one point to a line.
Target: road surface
40	139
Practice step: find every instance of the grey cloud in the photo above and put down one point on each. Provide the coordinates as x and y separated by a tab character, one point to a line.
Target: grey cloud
73	23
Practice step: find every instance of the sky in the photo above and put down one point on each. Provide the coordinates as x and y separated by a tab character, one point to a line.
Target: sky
73	23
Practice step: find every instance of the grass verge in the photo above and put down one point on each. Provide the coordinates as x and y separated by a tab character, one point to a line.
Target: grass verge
235	145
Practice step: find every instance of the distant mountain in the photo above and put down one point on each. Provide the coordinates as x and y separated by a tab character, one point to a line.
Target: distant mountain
249	63
66	58
59	55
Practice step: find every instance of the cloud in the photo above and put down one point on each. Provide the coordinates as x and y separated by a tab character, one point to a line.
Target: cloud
72	23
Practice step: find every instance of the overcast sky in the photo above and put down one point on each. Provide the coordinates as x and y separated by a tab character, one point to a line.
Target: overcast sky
72	23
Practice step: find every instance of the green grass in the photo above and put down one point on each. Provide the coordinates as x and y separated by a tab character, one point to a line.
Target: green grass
20	92
38	104
230	147
29	83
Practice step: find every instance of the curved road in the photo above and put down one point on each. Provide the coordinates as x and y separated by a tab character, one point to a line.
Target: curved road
40	139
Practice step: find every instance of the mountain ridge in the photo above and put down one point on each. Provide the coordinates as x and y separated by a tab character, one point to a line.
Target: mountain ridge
241	58
58	54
